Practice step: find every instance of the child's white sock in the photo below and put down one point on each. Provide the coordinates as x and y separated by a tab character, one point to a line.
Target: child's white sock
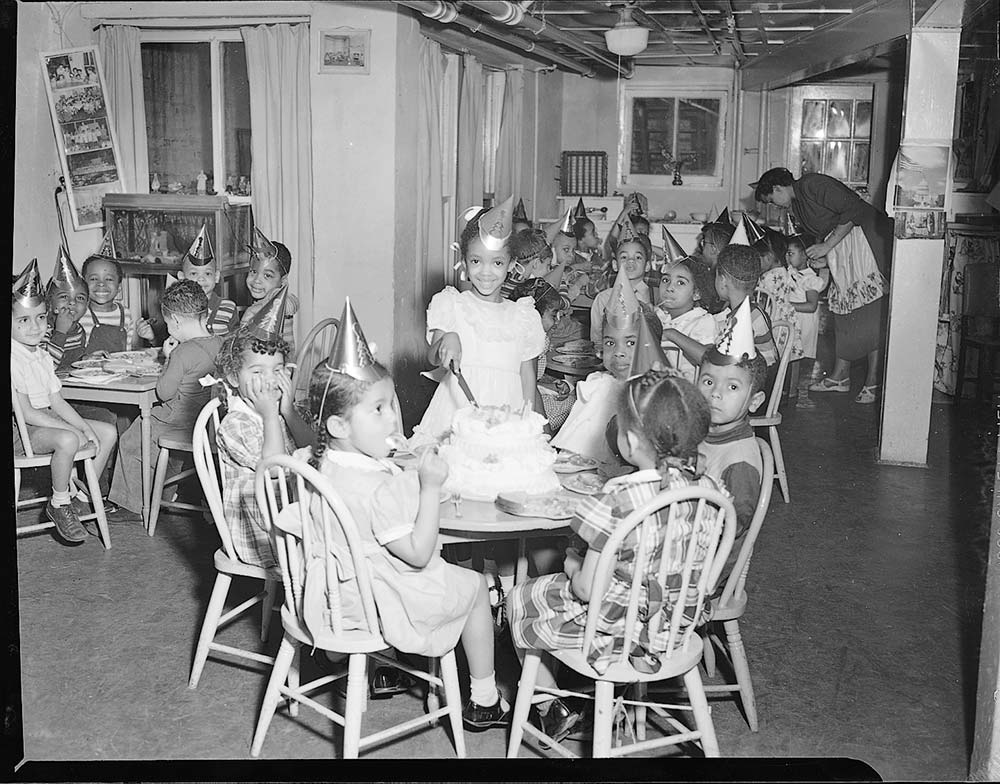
483	691
60	497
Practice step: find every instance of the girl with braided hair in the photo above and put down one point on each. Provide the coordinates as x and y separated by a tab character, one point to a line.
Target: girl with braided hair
662	419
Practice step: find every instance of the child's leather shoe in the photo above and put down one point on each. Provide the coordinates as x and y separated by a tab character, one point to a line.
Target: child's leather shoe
477	718
67	524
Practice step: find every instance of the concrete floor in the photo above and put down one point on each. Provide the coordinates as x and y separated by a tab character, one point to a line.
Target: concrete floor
862	629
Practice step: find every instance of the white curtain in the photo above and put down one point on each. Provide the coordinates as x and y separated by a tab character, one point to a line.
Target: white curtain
493	111
470	134
281	146
431	246
508	162
122	63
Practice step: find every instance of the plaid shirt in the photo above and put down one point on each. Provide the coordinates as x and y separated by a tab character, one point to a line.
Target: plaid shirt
595	521
241	442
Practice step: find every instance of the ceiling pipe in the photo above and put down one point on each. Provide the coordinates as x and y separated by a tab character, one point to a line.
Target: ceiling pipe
513	14
447	13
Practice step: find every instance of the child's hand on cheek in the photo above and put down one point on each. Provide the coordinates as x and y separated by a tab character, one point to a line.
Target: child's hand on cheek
432	470
263	398
283	383
64	320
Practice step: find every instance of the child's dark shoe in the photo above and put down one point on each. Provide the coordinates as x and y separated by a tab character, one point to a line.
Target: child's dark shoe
384	682
67	524
477	718
556	722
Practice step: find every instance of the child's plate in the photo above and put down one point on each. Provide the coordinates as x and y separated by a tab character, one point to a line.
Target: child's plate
561	354
583	362
585	482
551	506
577	345
133	368
572	463
143	356
92	374
81	364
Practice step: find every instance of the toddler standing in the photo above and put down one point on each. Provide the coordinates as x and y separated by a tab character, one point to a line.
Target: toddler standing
805	287
190	351
199	264
425	605
54	427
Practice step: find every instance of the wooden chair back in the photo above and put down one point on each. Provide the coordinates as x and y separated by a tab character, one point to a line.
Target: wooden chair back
315	348
22	427
207	467
307	519
782	332
736	583
696	559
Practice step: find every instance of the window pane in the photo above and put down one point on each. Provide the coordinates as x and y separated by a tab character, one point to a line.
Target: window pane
177	85
838	124
235	113
813	119
863	119
812	157
698	134
836	159
652	135
859	162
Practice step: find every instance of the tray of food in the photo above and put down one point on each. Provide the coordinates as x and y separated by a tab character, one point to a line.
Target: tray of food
552	506
135	363
585	482
579	345
576	361
92	374
571	463
94	362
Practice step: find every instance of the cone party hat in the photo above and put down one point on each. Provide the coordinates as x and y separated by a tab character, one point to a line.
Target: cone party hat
519	214
628	232
26	290
736	341
268	323
351	354
200	253
672	248
65	276
564	226
580	210
636	202
724	217
495	225
108	249
261	246
739	236
647	351
554	276
623	308
754	232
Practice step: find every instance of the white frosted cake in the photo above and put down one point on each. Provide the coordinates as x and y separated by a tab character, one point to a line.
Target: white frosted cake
494	450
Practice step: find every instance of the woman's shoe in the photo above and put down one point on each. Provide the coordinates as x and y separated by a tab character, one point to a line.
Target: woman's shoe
831	385
867	395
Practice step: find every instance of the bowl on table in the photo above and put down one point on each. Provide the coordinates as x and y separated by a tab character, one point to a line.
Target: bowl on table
669	215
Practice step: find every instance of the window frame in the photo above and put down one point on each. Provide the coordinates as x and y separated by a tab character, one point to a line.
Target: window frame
215	37
625	113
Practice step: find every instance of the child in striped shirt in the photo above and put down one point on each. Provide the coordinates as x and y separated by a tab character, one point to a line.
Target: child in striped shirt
67	298
222	318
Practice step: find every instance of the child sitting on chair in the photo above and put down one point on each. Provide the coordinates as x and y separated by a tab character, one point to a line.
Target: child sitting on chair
732	380
199	264
425	605
190	351
54	427
261	421
270	263
662	420
67	298
682	291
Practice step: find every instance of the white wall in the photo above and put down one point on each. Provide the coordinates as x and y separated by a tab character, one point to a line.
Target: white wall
590	122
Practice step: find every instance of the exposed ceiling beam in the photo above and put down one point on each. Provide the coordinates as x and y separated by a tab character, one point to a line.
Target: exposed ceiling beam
734	40
763	30
643	16
705	26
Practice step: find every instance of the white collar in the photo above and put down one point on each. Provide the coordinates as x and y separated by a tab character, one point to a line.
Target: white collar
359	461
236	403
24	351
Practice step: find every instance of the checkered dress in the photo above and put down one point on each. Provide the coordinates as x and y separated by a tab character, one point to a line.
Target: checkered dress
241	441
545	614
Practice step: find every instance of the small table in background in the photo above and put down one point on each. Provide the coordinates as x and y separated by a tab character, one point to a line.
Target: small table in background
133	391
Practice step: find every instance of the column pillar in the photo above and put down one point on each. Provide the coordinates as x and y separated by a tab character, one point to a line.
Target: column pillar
929	116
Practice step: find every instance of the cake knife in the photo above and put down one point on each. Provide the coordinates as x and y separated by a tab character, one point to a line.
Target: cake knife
463	385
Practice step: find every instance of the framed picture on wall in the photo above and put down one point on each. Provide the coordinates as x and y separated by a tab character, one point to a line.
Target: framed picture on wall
344	50
84	133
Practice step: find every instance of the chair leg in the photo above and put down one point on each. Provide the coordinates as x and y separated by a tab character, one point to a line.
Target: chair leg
94	488
453	697
215	605
357	683
270	588
702	714
779	462
604	715
738	656
272	696
17	488
708	650
522	703
293	681
641	692
433	698
158	480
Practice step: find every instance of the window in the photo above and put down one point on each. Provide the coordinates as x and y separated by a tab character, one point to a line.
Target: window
663	128
831	132
197	101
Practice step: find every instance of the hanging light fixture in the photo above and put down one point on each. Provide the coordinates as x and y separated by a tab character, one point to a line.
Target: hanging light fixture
626	38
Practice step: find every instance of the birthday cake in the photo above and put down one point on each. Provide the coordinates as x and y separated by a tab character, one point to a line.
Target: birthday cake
494	450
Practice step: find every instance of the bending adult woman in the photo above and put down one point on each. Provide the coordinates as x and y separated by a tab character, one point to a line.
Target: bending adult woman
857	243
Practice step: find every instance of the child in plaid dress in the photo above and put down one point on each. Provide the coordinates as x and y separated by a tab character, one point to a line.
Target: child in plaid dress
663	419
